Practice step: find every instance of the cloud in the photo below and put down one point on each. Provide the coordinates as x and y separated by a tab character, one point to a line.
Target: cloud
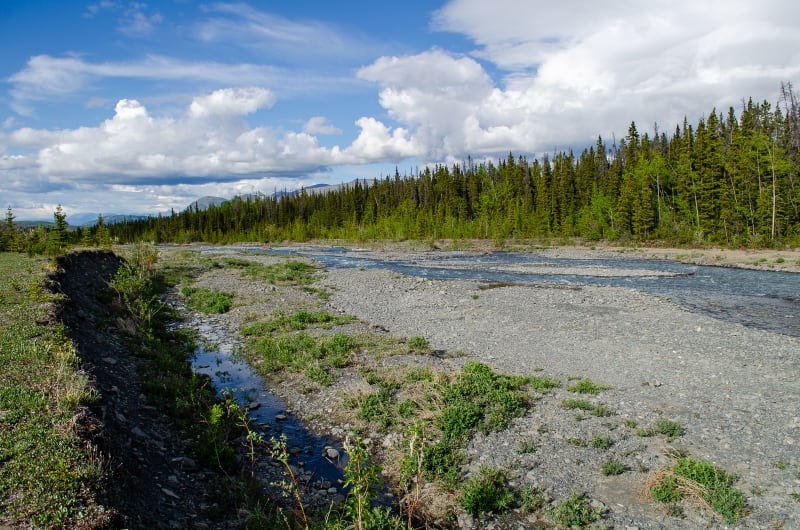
45	77
278	37
320	125
571	71
231	102
211	141
136	21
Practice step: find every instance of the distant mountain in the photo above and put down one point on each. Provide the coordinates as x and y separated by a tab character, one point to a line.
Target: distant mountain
204	203
113	219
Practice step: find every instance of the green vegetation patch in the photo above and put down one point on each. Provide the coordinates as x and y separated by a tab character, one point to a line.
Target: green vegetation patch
48	476
586	386
302	352
207	300
598	410
488	492
481	399
289	272
690	477
576	511
301	320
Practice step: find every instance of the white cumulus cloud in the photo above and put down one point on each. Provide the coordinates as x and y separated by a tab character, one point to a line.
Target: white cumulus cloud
231	102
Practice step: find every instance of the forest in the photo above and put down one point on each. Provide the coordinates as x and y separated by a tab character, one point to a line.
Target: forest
727	180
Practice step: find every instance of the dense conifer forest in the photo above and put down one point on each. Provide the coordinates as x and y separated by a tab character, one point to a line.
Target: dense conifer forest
729	180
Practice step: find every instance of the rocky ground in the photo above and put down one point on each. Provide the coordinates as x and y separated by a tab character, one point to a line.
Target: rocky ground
731	388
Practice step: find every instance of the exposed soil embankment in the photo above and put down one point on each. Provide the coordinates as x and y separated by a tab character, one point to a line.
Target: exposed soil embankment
153	482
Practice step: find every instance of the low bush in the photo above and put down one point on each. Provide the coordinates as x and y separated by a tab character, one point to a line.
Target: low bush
487	492
576	511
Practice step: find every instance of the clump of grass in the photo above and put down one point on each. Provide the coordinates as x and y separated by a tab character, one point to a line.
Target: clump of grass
602	442
532	499
488	492
526	447
670	429
579	404
576	511
207	300
612	466
301	320
543	384
310	354
598	410
414	375
289	272
418	344
586	386
699	479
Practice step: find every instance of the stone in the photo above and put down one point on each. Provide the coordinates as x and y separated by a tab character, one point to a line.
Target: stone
169	493
330	453
138	432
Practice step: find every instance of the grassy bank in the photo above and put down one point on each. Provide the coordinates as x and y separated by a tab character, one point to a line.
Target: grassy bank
49	476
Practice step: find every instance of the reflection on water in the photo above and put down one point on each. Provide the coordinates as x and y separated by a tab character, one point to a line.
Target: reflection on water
232	376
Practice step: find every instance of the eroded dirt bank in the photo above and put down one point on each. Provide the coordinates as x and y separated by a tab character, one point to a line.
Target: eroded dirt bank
153	482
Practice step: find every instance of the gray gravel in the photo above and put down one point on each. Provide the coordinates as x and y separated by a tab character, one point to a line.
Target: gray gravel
733	388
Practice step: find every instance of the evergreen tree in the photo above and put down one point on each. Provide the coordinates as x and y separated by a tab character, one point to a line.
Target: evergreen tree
102	235
57	238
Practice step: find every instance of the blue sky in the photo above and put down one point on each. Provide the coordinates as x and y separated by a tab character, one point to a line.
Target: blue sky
138	107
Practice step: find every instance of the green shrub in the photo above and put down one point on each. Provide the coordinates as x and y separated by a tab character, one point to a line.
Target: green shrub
458	420
443	461
577	510
669	428
667	490
543	384
612	466
532	499
585	386
579	404
486	493
489	399
319	375
418	344
601	442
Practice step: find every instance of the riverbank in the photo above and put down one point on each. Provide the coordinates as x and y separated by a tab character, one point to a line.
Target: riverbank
731	389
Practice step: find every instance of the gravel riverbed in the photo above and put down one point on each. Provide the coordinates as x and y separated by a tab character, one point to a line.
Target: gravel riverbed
735	390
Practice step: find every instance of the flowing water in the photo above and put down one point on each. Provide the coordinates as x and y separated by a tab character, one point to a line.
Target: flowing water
761	299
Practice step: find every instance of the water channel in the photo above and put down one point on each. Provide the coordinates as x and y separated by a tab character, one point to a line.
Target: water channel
761	299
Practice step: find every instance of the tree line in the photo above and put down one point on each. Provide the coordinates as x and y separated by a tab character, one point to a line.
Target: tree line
51	239
728	179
